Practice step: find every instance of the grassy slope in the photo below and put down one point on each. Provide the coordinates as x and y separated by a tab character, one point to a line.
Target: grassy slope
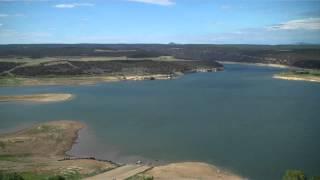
35	153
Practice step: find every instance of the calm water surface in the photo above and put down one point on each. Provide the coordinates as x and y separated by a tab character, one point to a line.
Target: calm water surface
240	119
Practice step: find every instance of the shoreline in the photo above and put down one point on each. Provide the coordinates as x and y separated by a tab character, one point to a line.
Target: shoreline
191	170
282	76
257	64
56	156
296	78
22	152
91	80
173	170
78	72
38	98
79	80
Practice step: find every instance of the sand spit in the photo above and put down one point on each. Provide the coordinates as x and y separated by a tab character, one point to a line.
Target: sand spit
37	98
82	80
297	78
190	170
256	64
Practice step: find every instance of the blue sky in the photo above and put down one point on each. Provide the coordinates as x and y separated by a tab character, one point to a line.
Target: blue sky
160	21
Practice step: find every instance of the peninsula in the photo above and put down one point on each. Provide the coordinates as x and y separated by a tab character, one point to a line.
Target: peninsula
300	75
56	71
53	97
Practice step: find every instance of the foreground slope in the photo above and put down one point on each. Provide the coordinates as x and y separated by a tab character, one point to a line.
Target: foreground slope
39	152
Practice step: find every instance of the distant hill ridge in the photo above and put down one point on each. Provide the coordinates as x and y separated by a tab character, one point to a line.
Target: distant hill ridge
304	56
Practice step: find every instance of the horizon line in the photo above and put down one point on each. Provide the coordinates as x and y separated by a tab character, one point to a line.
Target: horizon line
171	43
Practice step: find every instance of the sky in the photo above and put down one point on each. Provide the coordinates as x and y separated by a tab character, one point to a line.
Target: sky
160	21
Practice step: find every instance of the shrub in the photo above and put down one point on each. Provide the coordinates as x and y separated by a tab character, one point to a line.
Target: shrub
294	175
315	178
10	176
57	178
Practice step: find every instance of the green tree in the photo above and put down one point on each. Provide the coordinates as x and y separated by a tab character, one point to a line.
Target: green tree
57	178
315	178
10	176
294	175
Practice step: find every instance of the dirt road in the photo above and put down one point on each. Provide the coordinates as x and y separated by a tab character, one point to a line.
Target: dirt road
121	173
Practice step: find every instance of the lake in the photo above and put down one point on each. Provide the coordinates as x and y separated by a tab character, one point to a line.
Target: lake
240	119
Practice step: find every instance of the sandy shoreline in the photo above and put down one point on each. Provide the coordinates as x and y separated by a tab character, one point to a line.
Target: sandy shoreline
280	76
297	78
175	170
41	98
80	80
191	170
256	64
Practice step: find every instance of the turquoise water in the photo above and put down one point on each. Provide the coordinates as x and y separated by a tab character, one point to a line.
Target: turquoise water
240	119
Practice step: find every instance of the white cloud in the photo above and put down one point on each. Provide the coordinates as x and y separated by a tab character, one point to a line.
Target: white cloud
157	2
300	24
73	5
